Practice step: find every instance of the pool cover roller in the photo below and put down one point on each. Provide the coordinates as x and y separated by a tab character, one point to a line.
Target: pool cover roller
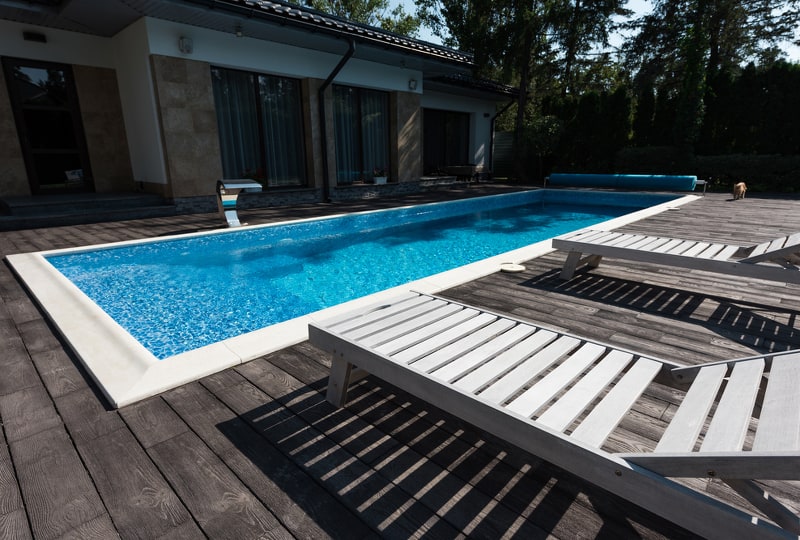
625	181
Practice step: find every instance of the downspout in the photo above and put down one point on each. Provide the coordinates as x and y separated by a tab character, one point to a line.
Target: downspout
326	182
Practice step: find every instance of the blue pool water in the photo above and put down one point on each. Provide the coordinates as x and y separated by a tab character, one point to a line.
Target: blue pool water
175	295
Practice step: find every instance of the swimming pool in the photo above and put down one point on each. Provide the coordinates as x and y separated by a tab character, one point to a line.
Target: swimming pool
168	311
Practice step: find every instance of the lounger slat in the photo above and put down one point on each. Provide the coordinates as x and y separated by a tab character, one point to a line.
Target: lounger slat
417	335
654	243
401	323
640	242
760	249
530	401
732	417
468	362
698	247
627	240
669	246
600	237
727	252
436	342
508	360
779	424
455	349
513	381
348	322
711	251
682	432
780	248
563	412
599	424
681	247
596	236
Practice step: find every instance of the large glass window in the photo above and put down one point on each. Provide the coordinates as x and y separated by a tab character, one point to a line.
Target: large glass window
445	140
260	127
361	120
49	124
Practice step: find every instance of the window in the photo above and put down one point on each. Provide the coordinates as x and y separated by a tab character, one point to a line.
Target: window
446	140
49	124
361	120
260	122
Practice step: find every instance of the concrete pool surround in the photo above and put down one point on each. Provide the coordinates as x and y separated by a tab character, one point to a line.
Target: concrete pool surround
127	372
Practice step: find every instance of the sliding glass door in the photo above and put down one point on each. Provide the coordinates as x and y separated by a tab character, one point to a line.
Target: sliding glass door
49	124
260	123
361	122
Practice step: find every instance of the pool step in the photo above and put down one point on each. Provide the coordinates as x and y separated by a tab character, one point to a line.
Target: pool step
75	209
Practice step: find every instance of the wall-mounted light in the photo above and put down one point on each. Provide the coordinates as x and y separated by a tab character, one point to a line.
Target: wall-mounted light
412	84
238	30
185	45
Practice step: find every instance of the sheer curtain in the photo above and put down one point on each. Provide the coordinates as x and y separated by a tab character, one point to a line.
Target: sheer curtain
235	101
361	119
260	120
375	130
346	126
282	122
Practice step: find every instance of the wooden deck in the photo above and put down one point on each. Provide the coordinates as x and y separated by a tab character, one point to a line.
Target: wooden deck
256	452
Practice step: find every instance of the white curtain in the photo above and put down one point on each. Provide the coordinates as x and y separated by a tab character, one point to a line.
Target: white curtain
235	101
361	119
375	130
346	126
260	127
282	121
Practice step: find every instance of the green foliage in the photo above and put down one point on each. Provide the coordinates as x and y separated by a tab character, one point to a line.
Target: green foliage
762	173
372	12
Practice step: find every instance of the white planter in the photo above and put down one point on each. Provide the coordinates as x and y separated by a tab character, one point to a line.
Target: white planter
380	179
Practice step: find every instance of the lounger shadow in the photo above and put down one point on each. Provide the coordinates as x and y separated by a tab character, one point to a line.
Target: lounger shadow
561	397
775	260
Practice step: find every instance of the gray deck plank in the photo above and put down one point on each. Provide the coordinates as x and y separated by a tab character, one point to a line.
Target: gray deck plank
222	506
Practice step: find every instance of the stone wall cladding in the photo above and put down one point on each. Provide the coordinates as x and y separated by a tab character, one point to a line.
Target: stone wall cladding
188	125
103	125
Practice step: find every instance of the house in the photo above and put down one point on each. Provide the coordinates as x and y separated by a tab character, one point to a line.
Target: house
167	97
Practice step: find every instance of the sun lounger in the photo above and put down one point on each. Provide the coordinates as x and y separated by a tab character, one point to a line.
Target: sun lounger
561	397
775	260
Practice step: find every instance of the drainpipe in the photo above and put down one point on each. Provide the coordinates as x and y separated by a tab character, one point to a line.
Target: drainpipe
326	182
491	142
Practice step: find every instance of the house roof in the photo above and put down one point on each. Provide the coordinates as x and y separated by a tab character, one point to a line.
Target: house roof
463	84
260	19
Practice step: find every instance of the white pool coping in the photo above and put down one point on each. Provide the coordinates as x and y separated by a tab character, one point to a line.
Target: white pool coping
127	372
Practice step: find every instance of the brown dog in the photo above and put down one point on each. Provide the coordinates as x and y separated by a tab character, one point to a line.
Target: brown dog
739	189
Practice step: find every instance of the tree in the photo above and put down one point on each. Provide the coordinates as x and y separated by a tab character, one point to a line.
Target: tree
372	12
538	45
684	46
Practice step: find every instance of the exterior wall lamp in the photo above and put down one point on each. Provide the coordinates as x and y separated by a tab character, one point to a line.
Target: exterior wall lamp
185	45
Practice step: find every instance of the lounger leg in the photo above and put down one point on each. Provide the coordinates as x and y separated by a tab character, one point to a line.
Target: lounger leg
593	261
574	260
764	502
339	381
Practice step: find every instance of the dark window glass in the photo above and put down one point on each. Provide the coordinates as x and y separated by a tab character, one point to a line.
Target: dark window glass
361	121
260	127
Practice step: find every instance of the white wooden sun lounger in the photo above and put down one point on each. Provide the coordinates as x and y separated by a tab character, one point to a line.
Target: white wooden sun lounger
560	397
775	260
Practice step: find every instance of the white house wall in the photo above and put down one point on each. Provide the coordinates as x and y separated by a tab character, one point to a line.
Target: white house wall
139	103
480	120
226	50
62	47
